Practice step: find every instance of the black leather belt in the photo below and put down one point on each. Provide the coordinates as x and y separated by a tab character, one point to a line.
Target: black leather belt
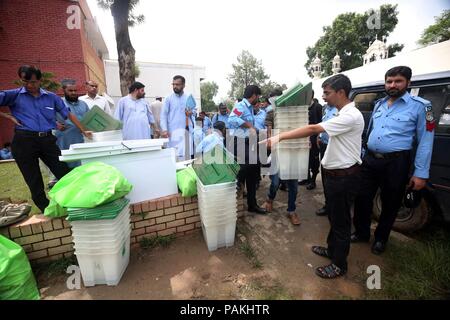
390	155
33	133
342	172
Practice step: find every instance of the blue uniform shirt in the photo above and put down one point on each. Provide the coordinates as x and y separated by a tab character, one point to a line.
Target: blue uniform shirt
219	117
330	113
260	119
241	113
34	113
395	128
206	124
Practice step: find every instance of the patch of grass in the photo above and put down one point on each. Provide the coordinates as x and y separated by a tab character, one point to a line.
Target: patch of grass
250	253
13	186
274	291
54	268
156	241
416	270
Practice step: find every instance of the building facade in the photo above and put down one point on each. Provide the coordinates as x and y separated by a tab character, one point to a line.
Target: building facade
58	36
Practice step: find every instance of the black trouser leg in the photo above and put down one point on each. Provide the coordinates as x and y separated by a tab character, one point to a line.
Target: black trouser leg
322	149
49	153
314	162
250	172
392	188
370	181
26	150
340	193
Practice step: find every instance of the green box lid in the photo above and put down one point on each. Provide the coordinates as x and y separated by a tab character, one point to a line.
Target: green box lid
98	120
103	212
296	96
210	172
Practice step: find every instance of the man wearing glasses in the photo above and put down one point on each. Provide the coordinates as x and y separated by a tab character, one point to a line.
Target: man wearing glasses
34	114
93	99
178	119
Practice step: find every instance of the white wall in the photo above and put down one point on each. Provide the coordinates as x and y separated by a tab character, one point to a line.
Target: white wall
157	78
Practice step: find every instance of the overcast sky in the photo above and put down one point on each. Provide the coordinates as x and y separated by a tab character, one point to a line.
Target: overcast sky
211	33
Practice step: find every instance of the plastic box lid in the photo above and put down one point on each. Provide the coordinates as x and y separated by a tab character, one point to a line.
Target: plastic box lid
296	96
98	120
103	212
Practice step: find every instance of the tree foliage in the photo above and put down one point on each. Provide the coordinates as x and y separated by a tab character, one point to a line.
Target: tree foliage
208	91
437	32
350	35
249	70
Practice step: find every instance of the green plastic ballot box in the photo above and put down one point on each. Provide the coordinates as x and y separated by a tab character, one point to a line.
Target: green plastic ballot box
98	120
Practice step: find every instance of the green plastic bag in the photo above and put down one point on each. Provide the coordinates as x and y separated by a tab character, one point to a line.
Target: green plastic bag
89	186
17	281
54	210
187	182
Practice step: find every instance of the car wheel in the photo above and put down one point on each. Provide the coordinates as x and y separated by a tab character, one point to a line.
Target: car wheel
408	219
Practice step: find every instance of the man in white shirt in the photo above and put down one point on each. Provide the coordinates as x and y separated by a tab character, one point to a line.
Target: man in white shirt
93	99
341	164
155	108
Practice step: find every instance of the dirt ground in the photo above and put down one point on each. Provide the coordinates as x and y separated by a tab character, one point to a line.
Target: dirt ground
271	259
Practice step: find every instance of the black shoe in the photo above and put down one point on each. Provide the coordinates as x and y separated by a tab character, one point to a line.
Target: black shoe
321	212
311	186
257	209
303	182
378	247
354	238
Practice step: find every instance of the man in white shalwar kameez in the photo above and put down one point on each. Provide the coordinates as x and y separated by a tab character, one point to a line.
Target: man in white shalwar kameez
135	114
178	118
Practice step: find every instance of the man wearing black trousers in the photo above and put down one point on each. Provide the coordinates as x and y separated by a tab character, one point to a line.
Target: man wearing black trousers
341	165
315	117
244	133
34	113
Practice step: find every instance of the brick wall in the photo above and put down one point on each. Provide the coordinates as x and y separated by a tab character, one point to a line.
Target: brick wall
45	239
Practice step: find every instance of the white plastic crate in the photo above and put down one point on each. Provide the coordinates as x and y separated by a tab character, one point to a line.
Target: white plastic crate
79	237
293	163
95	225
86	245
114	135
219	236
106	267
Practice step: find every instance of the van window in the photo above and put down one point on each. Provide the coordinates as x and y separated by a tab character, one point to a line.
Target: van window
439	98
365	102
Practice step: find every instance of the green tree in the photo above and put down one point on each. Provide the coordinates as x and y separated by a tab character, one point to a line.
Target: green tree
47	82
350	35
249	70
208	91
122	12
437	32
270	86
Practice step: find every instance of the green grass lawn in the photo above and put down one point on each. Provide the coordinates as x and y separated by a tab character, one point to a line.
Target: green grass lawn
13	186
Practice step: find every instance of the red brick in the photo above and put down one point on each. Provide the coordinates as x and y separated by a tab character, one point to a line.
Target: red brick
137	208
174	202
184	214
175	223
167	203
192	219
145	207
160	205
165	219
152	205
186	228
155	228
167	232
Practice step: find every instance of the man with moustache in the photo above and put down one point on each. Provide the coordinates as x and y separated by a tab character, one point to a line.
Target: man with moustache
67	133
398	122
134	112
178	120
341	165
93	99
34	112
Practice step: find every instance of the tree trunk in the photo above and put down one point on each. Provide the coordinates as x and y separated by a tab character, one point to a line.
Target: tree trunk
120	10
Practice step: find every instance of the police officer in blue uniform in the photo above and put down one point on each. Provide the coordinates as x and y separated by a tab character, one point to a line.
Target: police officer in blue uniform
398	123
34	113
242	129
